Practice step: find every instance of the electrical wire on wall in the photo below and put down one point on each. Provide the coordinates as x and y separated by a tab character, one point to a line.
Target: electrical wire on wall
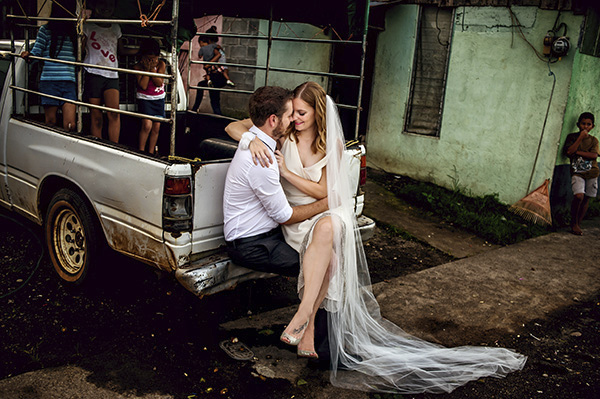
517	24
437	26
548	60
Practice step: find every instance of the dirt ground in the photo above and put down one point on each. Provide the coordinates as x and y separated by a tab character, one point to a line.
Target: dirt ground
141	332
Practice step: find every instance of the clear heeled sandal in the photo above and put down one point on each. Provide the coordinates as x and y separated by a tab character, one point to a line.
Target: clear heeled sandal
290	339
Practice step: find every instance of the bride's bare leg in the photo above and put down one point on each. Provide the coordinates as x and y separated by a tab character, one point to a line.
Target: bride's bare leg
307	343
314	265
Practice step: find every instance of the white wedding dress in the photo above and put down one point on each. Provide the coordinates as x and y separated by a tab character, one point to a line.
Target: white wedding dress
368	352
295	233
299	235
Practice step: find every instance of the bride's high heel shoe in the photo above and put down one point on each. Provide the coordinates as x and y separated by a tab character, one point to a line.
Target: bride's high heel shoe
291	340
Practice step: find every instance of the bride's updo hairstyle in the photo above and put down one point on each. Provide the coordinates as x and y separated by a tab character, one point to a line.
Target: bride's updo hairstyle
314	95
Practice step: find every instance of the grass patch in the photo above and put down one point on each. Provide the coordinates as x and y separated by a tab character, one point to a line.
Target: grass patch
594	208
484	216
395	231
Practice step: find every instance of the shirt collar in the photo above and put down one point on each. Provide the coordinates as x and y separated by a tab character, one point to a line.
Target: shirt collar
265	138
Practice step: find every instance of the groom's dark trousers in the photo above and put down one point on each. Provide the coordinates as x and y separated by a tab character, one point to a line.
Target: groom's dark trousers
266	252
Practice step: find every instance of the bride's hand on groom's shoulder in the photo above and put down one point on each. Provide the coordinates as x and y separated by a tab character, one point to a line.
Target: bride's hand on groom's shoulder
260	153
283	170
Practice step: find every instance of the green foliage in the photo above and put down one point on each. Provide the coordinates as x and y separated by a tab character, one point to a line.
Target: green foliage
593	209
395	231
561	217
484	216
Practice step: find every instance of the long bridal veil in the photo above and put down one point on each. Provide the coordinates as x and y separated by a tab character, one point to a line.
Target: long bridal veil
368	352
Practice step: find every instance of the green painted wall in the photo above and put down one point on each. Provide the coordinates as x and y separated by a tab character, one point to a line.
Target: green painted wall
292	55
391	85
497	94
584	96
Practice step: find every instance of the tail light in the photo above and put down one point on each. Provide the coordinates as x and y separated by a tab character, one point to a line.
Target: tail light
178	186
177	205
363	171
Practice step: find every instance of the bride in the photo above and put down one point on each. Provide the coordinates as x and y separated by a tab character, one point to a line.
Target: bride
367	352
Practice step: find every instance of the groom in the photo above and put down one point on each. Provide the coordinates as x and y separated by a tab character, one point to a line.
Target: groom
254	204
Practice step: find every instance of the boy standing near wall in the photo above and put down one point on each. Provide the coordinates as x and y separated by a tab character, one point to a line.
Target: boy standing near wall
582	149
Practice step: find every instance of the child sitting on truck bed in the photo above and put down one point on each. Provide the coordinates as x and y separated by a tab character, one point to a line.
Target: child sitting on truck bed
55	40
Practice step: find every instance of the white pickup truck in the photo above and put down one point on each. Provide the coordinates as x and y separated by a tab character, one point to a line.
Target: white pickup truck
88	193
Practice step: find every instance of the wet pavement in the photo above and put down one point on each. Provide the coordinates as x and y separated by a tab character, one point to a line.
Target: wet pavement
488	292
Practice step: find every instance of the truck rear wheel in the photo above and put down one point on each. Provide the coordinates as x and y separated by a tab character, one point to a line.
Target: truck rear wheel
71	236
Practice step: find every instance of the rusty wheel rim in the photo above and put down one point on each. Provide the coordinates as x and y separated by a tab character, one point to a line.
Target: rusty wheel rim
69	241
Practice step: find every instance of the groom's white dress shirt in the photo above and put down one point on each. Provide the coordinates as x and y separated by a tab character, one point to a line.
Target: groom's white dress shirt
253	200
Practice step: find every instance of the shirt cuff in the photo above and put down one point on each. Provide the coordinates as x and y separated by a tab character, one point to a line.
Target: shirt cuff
246	140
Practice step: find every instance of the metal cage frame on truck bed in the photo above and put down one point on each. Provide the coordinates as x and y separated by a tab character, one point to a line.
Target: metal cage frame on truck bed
347	18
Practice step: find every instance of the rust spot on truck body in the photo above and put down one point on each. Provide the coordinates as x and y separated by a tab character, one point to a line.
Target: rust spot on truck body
142	247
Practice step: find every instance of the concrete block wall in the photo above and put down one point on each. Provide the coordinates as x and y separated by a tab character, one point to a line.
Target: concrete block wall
239	51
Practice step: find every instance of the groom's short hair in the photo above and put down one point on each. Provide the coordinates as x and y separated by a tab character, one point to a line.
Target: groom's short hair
267	101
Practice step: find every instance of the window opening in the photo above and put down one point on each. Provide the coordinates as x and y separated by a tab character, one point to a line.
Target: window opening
590	43
430	67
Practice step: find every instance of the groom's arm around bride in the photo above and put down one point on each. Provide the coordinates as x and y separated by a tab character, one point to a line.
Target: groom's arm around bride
254	204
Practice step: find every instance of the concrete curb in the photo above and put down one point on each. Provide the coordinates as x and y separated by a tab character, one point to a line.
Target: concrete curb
382	205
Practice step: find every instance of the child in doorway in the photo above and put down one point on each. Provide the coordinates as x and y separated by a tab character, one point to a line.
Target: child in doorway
582	149
216	75
210	50
150	93
55	40
102	42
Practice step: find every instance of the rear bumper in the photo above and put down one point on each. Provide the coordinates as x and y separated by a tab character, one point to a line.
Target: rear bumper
366	226
214	274
217	272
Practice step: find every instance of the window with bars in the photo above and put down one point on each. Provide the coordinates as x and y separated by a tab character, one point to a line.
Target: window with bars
428	83
590	43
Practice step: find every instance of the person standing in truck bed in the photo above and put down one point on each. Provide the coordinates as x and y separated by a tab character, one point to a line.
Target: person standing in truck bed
55	40
150	93
102	42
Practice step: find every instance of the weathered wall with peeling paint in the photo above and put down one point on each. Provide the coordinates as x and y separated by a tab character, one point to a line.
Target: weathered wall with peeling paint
496	99
584	96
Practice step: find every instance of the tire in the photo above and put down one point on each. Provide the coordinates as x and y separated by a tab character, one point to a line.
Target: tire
71	236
